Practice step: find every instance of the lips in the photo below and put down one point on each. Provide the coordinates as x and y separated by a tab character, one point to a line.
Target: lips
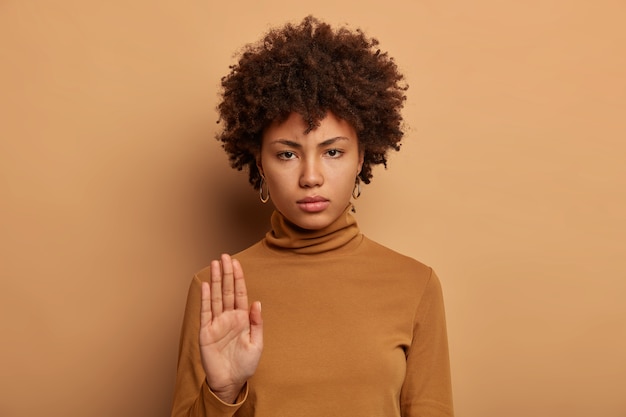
313	204
314	199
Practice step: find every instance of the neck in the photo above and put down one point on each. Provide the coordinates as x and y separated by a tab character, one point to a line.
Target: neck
339	235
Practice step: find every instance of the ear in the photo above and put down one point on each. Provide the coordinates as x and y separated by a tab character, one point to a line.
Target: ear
361	159
259	165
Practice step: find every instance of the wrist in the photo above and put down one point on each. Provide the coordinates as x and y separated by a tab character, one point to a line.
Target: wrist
228	394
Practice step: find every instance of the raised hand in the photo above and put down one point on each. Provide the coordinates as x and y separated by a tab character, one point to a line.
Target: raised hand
231	336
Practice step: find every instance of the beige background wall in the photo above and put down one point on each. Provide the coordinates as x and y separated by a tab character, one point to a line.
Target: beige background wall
511	183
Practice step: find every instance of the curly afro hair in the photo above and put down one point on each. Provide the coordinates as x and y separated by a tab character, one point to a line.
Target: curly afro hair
311	69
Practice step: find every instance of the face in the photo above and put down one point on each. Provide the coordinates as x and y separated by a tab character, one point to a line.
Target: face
310	176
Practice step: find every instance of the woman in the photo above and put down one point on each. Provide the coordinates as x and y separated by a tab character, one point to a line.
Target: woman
349	327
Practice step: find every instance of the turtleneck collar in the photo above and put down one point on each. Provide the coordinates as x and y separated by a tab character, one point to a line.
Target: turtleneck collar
285	236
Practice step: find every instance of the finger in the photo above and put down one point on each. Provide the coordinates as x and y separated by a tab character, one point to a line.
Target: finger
241	293
256	324
228	286
216	288
205	307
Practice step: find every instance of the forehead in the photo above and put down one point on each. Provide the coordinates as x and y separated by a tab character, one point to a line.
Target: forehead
294	127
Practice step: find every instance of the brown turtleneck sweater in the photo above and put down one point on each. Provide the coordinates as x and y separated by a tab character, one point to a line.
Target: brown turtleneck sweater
351	328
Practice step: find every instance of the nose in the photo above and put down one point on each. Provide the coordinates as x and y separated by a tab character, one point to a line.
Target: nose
311	174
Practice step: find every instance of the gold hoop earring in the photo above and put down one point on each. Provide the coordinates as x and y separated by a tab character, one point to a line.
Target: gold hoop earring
267	197
356	191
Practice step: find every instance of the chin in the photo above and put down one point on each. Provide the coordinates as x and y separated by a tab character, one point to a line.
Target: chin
312	221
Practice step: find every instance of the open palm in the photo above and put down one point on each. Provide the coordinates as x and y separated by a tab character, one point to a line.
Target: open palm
231	335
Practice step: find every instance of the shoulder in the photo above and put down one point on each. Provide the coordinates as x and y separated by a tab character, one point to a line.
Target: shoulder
397	270
254	251
403	274
390	257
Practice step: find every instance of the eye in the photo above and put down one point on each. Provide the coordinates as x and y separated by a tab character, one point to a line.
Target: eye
286	155
334	153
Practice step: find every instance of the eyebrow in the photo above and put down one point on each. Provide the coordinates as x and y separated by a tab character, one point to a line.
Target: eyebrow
298	145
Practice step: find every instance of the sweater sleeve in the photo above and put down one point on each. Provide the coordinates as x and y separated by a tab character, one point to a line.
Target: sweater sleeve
427	390
192	395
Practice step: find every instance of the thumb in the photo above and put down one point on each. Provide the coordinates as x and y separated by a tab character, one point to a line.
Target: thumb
256	324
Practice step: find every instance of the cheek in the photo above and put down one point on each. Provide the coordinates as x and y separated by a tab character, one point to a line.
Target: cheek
279	184
346	181
268	167
350	185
